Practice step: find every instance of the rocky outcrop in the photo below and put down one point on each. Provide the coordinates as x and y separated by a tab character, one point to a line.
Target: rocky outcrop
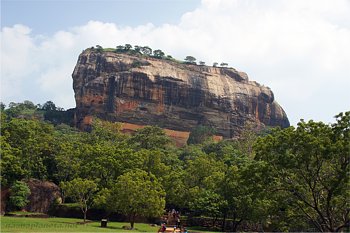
43	194
148	91
5	193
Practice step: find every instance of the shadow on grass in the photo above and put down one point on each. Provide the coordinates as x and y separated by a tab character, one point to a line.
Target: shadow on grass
111	227
195	229
73	223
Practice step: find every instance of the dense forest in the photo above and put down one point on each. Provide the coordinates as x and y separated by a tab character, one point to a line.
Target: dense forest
293	179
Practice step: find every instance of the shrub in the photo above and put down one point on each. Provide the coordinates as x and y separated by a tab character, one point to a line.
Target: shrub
19	195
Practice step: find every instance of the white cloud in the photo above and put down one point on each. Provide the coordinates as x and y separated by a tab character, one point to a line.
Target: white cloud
298	48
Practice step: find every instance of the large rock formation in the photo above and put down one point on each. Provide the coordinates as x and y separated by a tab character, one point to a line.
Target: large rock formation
148	91
43	195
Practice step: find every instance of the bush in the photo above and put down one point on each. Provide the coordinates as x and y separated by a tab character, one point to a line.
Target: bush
19	195
200	134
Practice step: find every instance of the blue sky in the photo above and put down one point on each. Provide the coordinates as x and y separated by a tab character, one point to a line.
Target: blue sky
300	49
48	16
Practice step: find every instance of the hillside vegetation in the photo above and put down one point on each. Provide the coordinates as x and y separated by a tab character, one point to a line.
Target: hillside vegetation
295	179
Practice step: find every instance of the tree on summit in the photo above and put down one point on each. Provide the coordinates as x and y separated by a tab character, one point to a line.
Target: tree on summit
158	53
127	47
120	48
146	50
190	59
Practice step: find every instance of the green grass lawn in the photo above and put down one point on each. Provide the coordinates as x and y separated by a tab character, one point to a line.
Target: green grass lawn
26	224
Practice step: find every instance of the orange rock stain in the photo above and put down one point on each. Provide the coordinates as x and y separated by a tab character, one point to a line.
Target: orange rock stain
126	105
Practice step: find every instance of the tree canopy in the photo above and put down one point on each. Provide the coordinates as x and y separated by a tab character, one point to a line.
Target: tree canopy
310	164
81	191
292	179
137	193
190	59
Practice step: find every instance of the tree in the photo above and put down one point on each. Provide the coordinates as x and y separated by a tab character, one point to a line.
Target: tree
19	195
11	164
137	193
49	106
201	170
120	48
127	47
200	134
2	106
243	194
158	53
34	140
26	110
137	48
247	138
202	63
190	59
208	203
310	166
223	64
105	131
146	50
150	137
69	158
81	191
99	48
215	64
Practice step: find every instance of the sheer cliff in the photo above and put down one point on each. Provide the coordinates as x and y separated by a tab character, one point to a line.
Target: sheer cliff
148	91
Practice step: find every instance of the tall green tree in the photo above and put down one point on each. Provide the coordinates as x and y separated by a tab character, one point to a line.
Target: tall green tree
208	203
82	191
34	141
200	134
150	138
137	193
310	166
11	164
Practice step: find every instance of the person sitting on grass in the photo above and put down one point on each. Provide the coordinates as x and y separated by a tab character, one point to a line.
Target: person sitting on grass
163	228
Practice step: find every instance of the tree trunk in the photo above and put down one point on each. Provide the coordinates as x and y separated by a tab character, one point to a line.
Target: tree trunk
223	223
132	221
85	216
235	225
214	221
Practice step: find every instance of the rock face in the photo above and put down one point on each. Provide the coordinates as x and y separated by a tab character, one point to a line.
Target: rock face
149	91
43	194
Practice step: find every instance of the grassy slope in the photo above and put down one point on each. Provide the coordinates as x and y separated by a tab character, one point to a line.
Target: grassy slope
15	224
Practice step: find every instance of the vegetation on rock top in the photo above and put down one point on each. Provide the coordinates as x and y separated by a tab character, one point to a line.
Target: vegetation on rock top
149	52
